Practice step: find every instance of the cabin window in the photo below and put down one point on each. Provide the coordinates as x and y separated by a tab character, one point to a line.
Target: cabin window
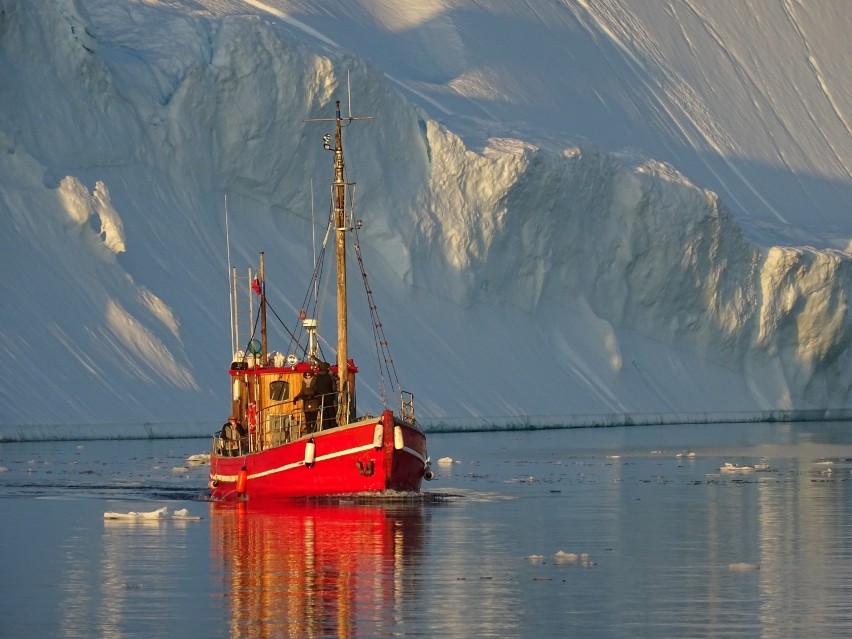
279	391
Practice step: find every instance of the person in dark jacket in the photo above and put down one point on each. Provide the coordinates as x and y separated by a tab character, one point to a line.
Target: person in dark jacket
310	401
325	391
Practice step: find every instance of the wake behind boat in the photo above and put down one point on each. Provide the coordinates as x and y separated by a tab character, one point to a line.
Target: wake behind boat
294	429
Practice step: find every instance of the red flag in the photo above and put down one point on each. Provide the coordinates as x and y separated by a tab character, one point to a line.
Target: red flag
255	285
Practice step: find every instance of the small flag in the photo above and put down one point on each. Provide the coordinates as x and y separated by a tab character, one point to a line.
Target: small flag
255	285
302	314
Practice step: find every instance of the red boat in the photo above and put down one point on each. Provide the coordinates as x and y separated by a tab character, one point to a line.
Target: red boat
294	428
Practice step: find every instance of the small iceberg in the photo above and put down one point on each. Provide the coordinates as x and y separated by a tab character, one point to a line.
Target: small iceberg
562	557
685	453
445	461
735	468
571	558
184	515
199	459
160	513
535	559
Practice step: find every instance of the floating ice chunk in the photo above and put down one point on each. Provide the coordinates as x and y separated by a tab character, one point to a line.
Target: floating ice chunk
734	468
446	460
743	567
180	469
686	453
159	514
586	561
3	469
199	458
562	557
571	558
183	513
535	559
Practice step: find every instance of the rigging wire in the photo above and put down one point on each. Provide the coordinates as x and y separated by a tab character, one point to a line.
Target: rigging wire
383	356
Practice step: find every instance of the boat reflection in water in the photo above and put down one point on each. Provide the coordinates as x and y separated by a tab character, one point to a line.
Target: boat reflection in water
302	569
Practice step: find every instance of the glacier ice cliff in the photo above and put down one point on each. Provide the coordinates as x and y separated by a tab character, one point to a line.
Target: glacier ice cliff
516	281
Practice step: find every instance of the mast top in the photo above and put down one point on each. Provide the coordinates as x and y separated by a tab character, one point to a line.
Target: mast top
339	219
338	117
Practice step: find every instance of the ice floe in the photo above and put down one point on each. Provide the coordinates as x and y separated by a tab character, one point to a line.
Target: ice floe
158	514
728	467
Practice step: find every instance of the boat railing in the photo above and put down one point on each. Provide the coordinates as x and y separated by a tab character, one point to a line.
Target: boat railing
406	409
275	428
225	447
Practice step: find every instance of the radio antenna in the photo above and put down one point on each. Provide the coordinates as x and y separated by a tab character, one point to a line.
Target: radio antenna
349	93
230	292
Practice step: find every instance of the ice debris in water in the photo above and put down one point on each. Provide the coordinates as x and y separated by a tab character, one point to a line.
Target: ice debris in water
568	558
564	558
199	458
735	468
446	460
160	513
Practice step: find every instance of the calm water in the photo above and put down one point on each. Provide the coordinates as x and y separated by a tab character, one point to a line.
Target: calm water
665	545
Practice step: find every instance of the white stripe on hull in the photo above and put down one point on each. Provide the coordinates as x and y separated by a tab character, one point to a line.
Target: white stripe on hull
286	467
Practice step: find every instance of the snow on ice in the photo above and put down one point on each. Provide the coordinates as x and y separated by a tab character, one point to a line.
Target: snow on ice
657	230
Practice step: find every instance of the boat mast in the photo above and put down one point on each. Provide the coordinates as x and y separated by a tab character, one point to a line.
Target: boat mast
339	186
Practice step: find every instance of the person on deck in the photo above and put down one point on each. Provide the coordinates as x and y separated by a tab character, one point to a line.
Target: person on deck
242	437
310	401
324	388
234	437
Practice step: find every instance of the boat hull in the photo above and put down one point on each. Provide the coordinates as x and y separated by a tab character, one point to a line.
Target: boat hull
369	456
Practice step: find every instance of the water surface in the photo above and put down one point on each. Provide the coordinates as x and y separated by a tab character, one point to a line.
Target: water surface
621	532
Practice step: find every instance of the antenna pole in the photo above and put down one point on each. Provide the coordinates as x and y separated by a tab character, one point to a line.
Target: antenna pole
349	93
231	300
262	282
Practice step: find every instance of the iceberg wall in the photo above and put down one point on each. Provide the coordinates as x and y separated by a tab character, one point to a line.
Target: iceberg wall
513	280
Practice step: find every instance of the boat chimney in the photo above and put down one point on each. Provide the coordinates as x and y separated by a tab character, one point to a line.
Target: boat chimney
311	326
